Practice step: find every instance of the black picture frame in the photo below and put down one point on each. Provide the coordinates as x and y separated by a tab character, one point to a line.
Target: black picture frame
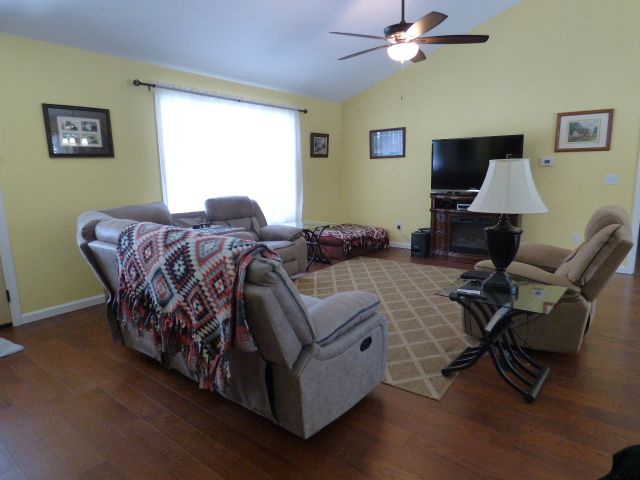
387	143
319	145
77	131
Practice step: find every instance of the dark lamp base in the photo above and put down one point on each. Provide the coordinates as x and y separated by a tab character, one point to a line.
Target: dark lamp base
500	282
503	240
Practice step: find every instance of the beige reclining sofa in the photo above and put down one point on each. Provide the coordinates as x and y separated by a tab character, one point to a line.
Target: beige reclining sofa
316	358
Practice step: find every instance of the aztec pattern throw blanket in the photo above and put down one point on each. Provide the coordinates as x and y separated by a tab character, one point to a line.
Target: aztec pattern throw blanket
186	286
352	235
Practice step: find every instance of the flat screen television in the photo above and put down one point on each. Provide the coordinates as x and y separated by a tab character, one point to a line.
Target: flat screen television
460	164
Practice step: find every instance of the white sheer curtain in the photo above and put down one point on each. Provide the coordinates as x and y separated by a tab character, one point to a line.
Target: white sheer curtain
212	147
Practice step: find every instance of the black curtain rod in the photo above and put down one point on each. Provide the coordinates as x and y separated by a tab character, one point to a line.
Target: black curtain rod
138	83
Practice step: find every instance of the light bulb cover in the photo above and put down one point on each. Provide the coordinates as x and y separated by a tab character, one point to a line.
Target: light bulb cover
401	52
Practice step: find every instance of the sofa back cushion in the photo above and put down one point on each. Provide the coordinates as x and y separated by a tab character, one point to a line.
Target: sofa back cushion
278	318
607	242
156	212
237	211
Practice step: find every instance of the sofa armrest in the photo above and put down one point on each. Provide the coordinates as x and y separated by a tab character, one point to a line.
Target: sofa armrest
534	274
338	313
109	230
279	232
546	257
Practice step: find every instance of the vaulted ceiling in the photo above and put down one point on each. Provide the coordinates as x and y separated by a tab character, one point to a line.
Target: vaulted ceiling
280	44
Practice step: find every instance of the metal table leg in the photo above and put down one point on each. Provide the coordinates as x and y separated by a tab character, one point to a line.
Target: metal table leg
514	366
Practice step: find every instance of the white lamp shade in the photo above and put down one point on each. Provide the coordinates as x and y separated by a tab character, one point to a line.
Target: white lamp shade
401	52
508	188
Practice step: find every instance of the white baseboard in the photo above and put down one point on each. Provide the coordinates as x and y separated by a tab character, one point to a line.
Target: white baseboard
58	310
625	269
400	245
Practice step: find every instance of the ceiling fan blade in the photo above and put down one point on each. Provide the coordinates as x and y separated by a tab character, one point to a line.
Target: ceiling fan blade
358	35
451	39
420	56
426	23
363	51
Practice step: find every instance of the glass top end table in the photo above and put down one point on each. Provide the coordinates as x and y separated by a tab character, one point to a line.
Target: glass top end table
493	314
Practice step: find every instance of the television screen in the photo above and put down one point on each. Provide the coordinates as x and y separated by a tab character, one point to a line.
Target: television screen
459	164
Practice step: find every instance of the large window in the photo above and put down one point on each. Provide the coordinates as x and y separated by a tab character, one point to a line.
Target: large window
211	147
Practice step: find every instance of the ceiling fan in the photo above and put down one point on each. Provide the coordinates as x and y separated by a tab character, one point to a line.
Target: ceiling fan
404	38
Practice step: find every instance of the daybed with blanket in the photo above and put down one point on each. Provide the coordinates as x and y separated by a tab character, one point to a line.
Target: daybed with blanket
299	361
348	240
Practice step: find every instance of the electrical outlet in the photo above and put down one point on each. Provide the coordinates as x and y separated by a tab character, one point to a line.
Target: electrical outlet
577	238
611	179
398	225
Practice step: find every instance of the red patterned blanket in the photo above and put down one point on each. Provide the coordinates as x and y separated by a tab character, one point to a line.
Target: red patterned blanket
186	286
350	235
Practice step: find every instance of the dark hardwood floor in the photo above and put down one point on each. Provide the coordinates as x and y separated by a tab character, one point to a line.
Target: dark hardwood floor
76	404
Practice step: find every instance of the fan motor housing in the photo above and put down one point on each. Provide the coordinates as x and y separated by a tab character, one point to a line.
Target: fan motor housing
394	30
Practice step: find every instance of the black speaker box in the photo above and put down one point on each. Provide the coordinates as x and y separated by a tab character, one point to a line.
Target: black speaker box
420	241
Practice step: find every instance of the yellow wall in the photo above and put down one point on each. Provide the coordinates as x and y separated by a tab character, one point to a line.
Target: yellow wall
43	196
543	57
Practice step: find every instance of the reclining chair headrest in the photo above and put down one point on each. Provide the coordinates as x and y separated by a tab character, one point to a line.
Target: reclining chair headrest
229	208
605	216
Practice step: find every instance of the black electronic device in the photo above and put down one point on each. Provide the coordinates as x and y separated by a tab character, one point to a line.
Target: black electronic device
460	164
475	275
420	241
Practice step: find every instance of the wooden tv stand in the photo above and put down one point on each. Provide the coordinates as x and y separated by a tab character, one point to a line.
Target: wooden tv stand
458	235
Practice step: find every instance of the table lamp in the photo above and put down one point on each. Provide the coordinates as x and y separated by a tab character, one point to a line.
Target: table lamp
508	188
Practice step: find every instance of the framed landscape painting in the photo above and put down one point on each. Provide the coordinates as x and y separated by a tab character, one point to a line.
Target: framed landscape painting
77	131
585	131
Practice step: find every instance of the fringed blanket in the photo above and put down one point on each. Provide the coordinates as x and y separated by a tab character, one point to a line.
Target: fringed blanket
186	287
352	235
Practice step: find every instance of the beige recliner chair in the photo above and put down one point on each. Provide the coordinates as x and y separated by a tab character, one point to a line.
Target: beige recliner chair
240	211
584	271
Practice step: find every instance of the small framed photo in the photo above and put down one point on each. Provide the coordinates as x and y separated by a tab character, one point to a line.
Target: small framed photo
77	131
319	144
387	143
586	131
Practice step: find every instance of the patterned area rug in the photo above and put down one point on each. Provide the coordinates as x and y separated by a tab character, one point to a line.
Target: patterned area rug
425	331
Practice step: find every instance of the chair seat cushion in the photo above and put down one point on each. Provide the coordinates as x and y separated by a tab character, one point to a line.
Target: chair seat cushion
535	274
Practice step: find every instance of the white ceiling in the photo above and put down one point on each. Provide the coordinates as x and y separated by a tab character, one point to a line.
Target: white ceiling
280	44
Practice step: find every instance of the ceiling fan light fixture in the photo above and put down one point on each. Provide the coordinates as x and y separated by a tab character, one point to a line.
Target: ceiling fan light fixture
401	52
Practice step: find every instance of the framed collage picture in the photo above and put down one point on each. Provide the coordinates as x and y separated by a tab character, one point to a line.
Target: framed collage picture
77	131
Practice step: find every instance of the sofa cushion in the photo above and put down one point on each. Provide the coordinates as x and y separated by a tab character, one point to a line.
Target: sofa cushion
277	315
156	212
86	225
227	208
109	230
283	248
188	219
580	266
535	274
279	232
336	314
